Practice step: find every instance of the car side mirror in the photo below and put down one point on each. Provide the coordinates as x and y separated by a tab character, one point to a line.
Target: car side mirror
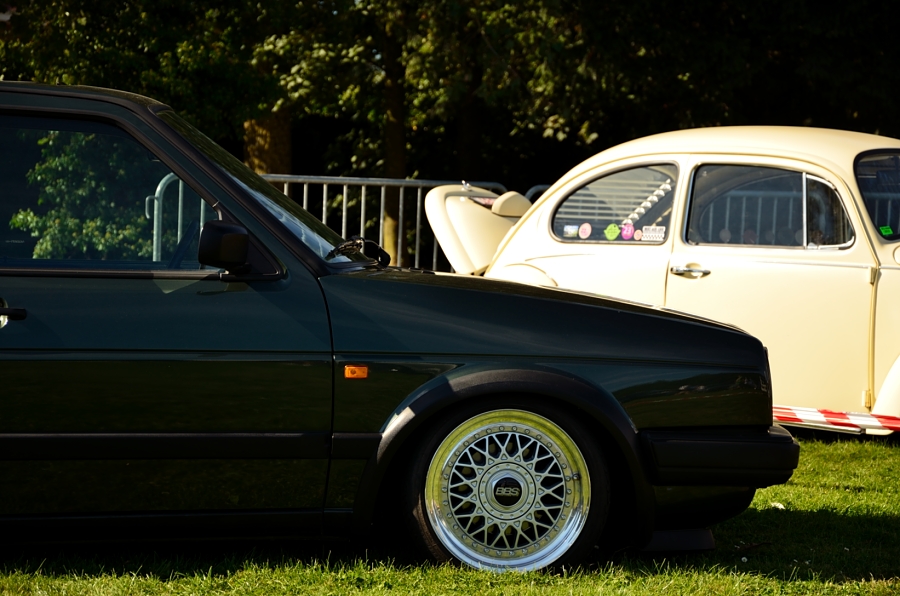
224	245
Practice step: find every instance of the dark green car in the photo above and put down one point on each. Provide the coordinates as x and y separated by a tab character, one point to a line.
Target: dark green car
185	350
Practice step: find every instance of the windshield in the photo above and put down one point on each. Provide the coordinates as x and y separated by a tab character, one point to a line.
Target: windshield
313	233
878	177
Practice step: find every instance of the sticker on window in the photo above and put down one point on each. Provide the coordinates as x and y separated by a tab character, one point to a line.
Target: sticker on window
885	230
570	231
584	232
638	234
627	231
611	232
653	233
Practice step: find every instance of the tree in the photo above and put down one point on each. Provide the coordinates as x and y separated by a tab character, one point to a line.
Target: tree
194	55
344	59
404	74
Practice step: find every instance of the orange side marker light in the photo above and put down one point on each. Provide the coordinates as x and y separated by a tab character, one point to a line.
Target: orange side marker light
354	371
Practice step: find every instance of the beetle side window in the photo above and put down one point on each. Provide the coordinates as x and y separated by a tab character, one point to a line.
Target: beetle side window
878	177
760	206
827	223
628	206
83	194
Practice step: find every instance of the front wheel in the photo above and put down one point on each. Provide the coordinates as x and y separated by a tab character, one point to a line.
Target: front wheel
510	488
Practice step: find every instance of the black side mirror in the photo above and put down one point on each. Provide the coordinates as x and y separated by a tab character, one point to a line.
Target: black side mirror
224	245
374	251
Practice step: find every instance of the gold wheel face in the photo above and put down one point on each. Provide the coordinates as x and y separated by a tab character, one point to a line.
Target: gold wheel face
508	489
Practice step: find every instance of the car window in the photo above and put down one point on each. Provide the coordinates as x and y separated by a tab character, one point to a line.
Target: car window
760	206
827	223
84	194
309	230
627	206
878	177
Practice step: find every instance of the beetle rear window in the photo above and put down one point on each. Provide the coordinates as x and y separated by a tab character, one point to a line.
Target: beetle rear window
626	206
878	177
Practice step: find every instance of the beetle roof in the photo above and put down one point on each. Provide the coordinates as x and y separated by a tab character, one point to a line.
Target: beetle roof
813	144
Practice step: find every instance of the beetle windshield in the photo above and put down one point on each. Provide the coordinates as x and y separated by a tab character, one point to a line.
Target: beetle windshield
878	177
313	233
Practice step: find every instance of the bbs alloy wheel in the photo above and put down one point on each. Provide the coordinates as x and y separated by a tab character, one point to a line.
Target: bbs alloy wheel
509	489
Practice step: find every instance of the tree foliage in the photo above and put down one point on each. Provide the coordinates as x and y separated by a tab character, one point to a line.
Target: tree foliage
195	55
574	71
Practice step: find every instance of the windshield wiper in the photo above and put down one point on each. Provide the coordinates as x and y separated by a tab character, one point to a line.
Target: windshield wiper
358	244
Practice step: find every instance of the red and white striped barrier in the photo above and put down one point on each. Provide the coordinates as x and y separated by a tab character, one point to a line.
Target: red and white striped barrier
845	420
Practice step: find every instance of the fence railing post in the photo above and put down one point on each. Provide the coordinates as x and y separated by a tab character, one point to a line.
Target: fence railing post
381	215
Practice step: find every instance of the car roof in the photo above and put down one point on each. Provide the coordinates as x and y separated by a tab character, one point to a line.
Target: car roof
815	144
81	91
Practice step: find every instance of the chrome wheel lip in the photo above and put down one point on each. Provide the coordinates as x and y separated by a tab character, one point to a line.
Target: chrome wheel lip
554	443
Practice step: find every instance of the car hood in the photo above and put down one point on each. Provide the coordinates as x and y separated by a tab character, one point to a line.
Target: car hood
401	312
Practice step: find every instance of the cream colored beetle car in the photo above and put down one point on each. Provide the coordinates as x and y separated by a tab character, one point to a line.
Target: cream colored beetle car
792	234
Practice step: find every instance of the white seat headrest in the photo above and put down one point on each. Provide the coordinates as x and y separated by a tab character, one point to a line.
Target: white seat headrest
511	204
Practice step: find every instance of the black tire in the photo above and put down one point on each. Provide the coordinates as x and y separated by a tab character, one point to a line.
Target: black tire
508	484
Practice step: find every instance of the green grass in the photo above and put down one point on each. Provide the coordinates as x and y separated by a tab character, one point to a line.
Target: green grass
837	533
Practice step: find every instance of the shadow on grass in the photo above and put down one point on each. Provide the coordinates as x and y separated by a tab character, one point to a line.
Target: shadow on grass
800	544
775	543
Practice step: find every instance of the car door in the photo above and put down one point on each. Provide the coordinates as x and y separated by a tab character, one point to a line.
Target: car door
769	247
609	234
134	379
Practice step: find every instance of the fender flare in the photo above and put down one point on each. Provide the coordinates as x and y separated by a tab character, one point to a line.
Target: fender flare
465	383
888	400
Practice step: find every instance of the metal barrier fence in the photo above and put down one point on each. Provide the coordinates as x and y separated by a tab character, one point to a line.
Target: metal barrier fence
346	206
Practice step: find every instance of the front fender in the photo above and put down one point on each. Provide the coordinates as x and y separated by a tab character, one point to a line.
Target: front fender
591	403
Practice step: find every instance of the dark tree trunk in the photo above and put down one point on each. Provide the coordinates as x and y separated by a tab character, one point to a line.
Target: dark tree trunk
394	142
267	143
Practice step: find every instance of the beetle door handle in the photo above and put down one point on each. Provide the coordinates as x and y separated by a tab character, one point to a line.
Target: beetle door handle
14	314
689	271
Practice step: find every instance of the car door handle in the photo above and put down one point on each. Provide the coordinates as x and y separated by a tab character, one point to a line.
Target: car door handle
13	314
689	271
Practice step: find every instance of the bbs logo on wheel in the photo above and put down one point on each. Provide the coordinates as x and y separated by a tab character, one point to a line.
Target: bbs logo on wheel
507	492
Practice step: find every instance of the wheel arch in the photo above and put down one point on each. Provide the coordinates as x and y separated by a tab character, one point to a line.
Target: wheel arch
596	408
